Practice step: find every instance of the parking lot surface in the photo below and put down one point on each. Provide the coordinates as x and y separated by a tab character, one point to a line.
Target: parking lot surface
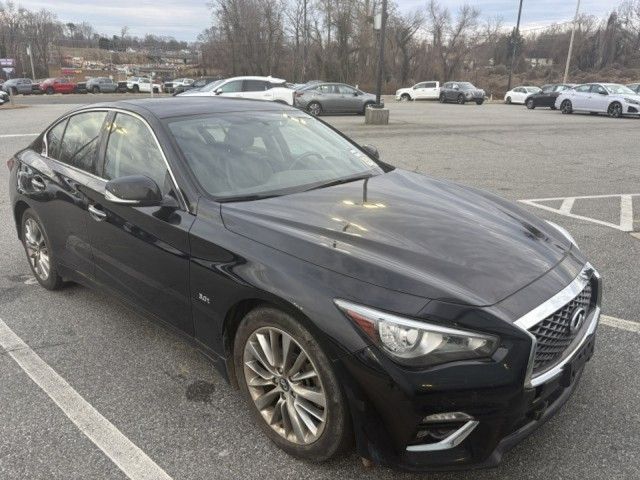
165	398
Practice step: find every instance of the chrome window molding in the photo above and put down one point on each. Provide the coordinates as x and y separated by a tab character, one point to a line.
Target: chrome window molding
181	198
453	440
551	306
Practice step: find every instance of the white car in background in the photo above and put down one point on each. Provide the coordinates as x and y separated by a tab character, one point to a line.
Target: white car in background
255	88
143	85
420	91
4	97
611	98
520	94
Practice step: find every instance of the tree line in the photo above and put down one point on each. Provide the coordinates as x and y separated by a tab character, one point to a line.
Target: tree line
335	40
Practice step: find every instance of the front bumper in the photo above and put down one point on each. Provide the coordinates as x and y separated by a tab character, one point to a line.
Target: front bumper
389	404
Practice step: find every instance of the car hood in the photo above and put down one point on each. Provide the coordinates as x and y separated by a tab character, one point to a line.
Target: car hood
194	92
408	233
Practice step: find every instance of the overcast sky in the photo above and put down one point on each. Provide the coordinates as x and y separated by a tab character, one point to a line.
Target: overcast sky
184	19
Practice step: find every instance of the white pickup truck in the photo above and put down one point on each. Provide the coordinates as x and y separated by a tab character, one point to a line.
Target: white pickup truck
420	91
143	85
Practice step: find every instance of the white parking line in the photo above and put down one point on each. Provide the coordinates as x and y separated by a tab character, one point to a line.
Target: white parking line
119	449
626	209
14	135
620	323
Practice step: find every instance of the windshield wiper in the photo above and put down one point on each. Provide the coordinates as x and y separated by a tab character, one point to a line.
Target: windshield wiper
249	198
341	181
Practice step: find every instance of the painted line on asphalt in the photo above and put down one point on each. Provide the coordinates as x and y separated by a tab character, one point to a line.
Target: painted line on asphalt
620	323
118	448
15	135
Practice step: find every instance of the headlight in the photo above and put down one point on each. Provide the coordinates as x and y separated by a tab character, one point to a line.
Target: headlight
564	232
632	101
418	344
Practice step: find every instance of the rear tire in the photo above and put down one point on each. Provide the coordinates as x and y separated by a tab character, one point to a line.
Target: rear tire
315	109
272	392
566	107
479	102
405	97
95	89
442	98
508	101
39	253
366	105
136	89
50	91
461	100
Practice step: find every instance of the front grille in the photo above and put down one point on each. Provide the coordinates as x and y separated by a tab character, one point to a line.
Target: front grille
554	335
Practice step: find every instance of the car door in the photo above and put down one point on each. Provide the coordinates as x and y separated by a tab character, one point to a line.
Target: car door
454	90
257	90
598	99
142	253
350	99
329	97
231	89
58	182
430	91
419	91
580	97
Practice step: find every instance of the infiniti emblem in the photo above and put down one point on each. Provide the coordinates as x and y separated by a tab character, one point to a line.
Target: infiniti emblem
577	319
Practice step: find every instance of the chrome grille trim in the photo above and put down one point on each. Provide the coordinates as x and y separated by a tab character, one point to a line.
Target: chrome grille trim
551	306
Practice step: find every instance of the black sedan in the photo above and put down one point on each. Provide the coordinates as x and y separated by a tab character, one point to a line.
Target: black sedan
429	324
547	97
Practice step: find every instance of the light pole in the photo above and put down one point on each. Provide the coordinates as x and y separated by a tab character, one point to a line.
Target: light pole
573	34
305	47
383	31
33	72
515	47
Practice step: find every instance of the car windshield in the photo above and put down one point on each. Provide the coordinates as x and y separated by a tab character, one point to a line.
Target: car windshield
211	86
619	89
244	156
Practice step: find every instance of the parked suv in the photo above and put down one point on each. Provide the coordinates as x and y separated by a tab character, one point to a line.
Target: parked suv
101	85
14	86
420	91
461	92
170	86
256	88
196	85
143	85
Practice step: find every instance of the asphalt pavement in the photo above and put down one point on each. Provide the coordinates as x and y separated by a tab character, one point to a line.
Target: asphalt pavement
163	396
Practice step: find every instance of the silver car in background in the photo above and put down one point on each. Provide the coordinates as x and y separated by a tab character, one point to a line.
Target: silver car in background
610	98
322	98
101	85
14	86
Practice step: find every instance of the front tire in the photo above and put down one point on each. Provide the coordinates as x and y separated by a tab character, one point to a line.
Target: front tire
566	107
442	98
95	89
615	110
50	91
38	249
508	101
405	97
136	89
290	385
531	104
479	102
461	100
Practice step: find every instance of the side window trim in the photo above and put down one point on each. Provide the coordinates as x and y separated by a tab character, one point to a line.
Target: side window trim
181	199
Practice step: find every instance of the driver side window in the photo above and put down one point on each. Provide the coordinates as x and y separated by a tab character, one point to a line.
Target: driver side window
232	87
132	150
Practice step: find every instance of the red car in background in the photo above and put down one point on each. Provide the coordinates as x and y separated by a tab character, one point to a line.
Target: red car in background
58	85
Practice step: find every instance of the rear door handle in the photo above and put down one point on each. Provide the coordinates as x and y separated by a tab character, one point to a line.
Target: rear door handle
38	183
97	213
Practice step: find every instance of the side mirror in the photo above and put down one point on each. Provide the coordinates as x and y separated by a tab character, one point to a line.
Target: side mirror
603	93
218	91
372	151
134	190
356	94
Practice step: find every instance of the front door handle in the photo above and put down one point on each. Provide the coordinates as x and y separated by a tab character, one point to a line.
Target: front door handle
97	213
38	183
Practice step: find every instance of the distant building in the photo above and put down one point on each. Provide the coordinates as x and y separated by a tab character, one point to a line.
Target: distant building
539	62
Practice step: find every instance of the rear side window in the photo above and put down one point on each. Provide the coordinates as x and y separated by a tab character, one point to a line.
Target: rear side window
80	142
430	85
255	86
132	150
232	87
54	139
583	88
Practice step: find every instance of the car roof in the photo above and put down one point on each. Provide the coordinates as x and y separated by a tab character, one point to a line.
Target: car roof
267	79
185	106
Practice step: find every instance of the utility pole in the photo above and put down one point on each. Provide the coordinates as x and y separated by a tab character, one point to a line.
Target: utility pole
383	31
514	48
305	47
573	34
33	72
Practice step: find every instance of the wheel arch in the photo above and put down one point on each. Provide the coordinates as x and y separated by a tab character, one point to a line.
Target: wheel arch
18	211
241	308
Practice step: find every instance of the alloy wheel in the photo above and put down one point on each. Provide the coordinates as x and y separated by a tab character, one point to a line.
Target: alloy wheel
531	105
315	109
615	110
37	249
405	98
285	386
566	107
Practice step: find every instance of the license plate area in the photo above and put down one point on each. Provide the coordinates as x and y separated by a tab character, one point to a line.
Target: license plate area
573	369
